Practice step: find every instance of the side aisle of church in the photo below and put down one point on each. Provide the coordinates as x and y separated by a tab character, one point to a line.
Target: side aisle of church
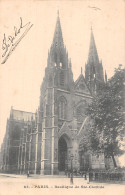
47	141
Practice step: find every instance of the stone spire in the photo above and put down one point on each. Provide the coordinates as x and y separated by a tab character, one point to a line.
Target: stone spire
105	77
93	69
58	54
58	38
58	66
93	55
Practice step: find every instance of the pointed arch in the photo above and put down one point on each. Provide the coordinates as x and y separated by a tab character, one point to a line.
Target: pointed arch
64	147
62	107
80	110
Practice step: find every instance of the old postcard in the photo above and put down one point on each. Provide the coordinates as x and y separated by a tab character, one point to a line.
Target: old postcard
62	69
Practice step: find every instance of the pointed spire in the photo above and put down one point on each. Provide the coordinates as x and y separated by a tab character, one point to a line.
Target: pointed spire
70	62
58	39
11	112
91	27
58	13
105	77
93	55
93	69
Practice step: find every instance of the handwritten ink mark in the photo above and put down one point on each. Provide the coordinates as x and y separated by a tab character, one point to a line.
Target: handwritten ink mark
95	8
10	44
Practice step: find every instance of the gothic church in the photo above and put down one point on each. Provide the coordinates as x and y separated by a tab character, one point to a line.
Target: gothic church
47	141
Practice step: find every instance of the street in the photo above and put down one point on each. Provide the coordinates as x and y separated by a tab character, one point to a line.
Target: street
37	183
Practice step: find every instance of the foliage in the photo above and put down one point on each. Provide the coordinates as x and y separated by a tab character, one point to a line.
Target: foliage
107	110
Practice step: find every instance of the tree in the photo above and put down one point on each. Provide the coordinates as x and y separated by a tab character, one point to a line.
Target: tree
107	111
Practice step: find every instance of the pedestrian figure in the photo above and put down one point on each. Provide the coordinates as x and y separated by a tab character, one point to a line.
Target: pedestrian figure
85	176
68	174
27	174
65	171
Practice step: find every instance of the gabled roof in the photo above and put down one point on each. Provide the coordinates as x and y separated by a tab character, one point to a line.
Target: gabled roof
81	86
65	130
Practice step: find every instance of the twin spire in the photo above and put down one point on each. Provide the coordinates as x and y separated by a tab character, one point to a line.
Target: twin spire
93	59
58	41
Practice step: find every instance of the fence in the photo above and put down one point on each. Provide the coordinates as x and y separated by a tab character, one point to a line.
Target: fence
105	176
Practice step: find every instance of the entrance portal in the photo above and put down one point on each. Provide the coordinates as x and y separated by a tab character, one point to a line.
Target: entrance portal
84	161
62	155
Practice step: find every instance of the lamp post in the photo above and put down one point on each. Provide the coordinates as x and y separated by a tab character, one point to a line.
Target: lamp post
71	174
28	169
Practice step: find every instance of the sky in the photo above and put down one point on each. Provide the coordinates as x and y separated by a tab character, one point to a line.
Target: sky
23	72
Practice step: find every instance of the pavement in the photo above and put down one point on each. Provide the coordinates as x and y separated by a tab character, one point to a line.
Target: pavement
13	183
64	178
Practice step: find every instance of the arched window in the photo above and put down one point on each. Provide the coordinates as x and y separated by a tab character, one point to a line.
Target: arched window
62	78
62	108
80	112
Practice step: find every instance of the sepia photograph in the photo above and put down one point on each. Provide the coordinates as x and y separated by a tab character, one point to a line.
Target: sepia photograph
62	97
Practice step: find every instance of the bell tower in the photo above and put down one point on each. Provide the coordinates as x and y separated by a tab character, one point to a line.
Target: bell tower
93	69
58	77
58	59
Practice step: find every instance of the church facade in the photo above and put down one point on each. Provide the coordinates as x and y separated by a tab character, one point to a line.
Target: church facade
51	140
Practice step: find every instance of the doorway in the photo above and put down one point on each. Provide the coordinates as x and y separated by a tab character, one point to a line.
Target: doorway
62	154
